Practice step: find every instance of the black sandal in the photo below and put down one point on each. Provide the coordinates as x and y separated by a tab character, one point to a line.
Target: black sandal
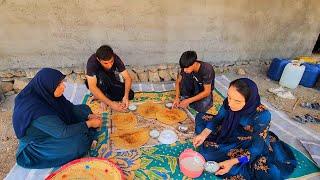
307	118
300	119
315	106
309	105
312	119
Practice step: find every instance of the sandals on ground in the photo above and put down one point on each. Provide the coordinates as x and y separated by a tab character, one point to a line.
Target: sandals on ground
309	105
307	118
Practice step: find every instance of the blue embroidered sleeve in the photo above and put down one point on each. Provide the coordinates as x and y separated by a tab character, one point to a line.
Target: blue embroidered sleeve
216	120
260	130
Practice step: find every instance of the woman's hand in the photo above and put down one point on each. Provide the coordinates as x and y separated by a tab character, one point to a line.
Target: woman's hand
226	165
198	140
94	123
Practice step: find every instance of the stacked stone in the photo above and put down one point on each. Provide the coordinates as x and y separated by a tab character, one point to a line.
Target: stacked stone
13	81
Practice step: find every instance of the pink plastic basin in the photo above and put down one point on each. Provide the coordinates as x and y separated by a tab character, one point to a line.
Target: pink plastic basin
191	163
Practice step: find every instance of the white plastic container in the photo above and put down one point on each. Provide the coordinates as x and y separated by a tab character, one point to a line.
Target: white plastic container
292	75
167	136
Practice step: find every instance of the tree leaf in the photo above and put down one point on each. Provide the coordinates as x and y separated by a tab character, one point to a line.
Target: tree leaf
145	162
172	161
160	169
157	157
149	150
152	175
140	175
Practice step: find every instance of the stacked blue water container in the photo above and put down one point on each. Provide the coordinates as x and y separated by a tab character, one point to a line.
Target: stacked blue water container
276	68
310	75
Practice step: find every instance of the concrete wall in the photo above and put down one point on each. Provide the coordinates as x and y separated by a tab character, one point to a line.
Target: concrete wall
37	33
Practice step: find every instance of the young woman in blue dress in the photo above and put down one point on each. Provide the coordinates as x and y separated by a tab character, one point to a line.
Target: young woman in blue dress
238	137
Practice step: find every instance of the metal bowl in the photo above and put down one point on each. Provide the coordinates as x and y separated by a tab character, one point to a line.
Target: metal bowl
169	105
132	107
183	128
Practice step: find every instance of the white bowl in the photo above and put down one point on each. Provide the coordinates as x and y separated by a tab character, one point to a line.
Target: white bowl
183	128
132	107
168	136
154	133
211	166
169	105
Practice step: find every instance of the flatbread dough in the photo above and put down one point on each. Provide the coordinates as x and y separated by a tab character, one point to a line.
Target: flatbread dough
124	120
148	110
130	138
171	116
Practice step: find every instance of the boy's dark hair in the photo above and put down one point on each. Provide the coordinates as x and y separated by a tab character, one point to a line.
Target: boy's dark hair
242	87
104	53
187	59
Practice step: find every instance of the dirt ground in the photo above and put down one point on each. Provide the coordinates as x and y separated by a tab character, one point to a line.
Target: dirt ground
9	142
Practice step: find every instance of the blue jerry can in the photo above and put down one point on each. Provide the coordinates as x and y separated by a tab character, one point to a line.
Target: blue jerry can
276	68
310	75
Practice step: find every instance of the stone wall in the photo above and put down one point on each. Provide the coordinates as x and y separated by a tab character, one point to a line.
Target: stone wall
60	33
14	80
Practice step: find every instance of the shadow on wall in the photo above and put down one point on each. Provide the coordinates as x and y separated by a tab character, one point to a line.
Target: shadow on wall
316	49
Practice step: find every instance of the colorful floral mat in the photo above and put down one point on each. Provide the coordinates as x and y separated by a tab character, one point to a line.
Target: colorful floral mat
161	161
129	160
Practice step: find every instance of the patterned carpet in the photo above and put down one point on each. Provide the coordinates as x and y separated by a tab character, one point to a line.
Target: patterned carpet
161	161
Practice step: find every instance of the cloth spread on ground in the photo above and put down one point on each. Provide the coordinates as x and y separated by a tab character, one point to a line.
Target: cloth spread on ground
161	161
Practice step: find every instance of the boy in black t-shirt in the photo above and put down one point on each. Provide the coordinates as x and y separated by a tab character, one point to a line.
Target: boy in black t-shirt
103	69
194	84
